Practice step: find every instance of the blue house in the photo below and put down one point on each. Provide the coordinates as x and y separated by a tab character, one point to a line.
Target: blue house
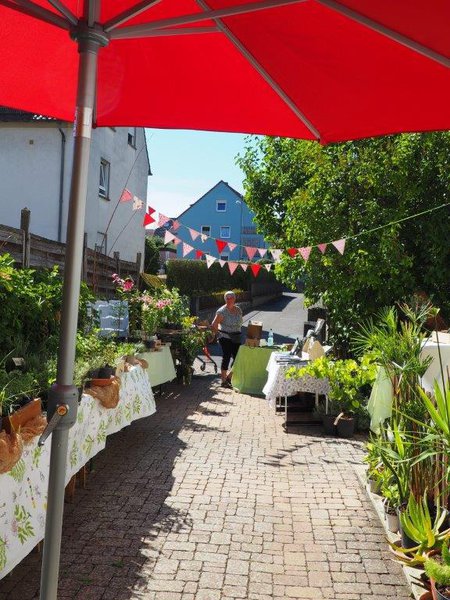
221	214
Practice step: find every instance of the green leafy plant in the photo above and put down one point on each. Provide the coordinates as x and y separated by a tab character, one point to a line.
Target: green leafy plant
439	572
419	526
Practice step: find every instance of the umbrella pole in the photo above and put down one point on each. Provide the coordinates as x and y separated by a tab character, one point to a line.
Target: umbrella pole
63	397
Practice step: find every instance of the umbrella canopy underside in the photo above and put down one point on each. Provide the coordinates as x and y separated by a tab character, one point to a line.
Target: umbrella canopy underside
301	69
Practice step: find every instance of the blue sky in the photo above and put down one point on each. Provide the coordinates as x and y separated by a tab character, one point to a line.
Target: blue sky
186	164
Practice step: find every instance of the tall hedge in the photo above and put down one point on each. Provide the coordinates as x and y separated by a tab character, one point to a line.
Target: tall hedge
193	278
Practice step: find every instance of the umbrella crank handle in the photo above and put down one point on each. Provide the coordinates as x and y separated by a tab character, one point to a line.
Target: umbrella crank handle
60	412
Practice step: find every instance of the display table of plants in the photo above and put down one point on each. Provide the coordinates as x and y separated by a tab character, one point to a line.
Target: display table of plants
24	466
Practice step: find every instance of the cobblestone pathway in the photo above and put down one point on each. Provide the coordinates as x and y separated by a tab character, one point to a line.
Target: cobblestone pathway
210	499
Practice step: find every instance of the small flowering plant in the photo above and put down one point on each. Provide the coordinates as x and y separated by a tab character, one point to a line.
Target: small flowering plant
163	307
123	286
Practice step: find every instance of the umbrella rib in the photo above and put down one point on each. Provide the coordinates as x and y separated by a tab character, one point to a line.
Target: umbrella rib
264	74
37	12
64	10
134	31
128	14
182	31
389	33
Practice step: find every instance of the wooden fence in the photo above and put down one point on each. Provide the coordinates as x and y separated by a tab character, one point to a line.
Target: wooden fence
30	250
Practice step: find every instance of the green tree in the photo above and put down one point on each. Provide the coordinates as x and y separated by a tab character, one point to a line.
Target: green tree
152	247
305	194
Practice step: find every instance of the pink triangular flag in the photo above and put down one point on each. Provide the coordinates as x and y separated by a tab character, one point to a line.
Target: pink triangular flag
322	247
176	241
231	246
168	237
221	262
175	226
339	245
162	220
244	266
194	234
126	196
232	266
204	237
250	251
276	253
268	266
262	251
305	252
209	260
186	249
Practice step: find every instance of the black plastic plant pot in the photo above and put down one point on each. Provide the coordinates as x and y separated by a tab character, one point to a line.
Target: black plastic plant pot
439	595
346	427
106	372
407	542
328	424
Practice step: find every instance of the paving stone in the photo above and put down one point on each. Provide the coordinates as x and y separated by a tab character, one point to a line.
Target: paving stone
210	499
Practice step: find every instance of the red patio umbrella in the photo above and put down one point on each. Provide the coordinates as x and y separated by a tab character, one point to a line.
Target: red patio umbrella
315	69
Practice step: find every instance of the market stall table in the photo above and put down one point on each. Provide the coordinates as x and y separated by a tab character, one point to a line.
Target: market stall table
249	369
161	368
23	490
278	385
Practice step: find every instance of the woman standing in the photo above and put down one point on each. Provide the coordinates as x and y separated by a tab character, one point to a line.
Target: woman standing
228	323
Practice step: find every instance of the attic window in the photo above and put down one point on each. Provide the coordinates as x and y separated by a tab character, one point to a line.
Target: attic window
221	205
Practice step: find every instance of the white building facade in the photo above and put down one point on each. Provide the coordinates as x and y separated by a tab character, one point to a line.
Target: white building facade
35	167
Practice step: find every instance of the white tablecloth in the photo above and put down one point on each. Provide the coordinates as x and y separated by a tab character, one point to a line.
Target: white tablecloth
433	373
278	385
23	490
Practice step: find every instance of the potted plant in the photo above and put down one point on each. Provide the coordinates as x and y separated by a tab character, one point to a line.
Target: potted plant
439	573
389	491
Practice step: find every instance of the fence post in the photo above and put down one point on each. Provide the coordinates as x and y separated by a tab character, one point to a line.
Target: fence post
84	272
118	265
25	215
138	267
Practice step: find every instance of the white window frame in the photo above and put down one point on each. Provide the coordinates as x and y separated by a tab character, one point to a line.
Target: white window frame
225	237
204	232
224	257
132	132
103	190
221	202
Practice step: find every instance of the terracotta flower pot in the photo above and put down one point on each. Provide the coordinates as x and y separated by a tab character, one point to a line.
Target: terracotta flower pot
18	418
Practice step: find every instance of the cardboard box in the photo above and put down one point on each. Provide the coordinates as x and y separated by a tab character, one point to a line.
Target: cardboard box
252	343
254	330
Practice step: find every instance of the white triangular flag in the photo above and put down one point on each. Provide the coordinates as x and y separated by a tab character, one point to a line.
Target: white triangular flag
262	251
276	253
137	203
221	262
231	246
194	234
339	245
168	237
186	249
244	266
209	260
204	237
268	266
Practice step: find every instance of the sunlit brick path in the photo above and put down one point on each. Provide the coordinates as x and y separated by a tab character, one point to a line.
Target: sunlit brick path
210	499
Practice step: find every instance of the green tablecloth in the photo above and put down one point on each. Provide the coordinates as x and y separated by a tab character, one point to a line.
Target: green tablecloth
160	366
249	369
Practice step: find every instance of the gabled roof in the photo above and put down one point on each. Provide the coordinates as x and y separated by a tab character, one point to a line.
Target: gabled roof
11	115
240	196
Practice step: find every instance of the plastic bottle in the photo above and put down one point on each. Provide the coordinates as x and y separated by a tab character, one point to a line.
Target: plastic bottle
270	338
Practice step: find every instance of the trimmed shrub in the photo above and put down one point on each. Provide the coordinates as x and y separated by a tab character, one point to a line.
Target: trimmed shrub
193	278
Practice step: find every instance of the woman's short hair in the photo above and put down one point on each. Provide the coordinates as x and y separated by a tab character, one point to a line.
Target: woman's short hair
229	294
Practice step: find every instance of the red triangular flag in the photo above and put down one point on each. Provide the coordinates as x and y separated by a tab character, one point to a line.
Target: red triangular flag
162	220
150	210
255	269
322	247
220	245
148	220
292	252
198	254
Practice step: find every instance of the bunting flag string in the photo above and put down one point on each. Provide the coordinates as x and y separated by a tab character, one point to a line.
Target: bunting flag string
198	254
194	234
250	251
268	266
339	245
305	252
232	266
255	268
322	247
126	196
148	219
137	203
221	245
244	266
168	237
209	260
187	248
232	246
162	220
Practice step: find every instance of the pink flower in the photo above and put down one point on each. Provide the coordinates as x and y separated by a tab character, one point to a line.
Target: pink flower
128	285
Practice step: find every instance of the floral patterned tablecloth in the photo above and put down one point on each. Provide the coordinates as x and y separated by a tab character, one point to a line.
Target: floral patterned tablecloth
23	490
279	386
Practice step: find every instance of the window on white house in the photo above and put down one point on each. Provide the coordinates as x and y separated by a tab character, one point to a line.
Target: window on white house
224	256
206	229
225	231
132	136
221	205
103	186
